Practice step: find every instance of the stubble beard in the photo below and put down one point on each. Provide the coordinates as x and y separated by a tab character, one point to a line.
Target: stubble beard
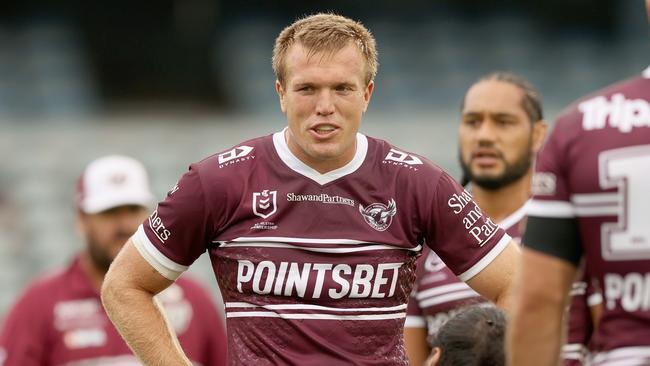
99	254
100	258
512	172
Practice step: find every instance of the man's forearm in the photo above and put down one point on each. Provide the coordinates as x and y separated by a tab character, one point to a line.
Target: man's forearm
495	282
534	332
139	319
535	336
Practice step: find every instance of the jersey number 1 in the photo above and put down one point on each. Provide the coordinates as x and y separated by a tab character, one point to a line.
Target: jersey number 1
627	169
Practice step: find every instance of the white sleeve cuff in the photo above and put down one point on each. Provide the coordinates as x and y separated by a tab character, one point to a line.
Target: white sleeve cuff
487	259
165	266
413	321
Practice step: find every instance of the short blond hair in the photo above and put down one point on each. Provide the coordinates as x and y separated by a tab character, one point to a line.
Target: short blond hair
325	32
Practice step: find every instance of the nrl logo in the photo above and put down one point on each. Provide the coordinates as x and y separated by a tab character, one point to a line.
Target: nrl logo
378	215
265	203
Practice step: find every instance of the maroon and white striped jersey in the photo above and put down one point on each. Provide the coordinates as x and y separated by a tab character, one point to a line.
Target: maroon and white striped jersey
59	320
585	294
316	269
438	293
594	173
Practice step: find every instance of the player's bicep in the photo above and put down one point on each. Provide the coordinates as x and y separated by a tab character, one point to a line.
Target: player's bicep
132	270
495	281
544	279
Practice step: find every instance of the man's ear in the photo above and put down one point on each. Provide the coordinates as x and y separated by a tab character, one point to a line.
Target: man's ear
281	93
80	224
540	129
367	94
434	358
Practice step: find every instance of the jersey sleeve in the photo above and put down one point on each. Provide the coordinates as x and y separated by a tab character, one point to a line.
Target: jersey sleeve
179	230
460	233
551	226
24	333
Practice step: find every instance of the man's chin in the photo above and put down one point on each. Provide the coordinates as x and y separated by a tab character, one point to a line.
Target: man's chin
487	175
325	152
485	179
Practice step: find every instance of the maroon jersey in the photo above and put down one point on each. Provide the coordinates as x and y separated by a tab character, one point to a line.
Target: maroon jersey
594	174
316	269
59	320
438	293
584	294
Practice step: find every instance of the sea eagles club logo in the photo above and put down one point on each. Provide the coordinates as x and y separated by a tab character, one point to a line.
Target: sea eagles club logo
265	203
378	215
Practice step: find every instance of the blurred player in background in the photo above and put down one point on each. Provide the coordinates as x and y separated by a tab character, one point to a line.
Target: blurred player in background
474	336
313	231
500	133
591	201
59	319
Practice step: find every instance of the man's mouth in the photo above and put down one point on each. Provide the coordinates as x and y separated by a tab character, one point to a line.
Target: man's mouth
486	159
324	129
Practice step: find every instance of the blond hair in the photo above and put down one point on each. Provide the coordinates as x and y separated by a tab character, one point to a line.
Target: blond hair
324	32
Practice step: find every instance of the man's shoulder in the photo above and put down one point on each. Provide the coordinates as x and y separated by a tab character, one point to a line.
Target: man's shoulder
49	280
592	110
42	291
401	161
236	156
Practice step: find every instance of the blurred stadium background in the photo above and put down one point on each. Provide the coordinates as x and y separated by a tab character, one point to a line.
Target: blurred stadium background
174	81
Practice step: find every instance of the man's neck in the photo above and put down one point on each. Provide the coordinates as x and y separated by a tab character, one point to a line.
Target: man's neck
322	166
503	202
95	275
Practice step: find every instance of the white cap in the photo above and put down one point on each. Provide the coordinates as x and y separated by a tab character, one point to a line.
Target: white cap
113	181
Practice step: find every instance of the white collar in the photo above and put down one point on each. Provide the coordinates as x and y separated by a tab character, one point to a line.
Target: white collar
514	217
298	166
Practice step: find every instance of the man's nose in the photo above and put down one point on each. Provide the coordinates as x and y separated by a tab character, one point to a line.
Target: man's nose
325	103
486	131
